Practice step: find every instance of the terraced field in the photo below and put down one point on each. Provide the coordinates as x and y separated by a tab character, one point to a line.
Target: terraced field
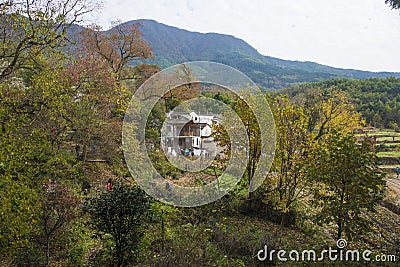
387	143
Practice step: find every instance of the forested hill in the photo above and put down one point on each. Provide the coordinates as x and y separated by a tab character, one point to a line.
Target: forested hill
172	45
377	99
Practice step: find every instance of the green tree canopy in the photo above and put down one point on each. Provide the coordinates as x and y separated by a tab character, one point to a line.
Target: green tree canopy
122	212
349	181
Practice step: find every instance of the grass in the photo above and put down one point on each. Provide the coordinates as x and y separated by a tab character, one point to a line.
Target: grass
382	132
379	133
388	138
385	133
389	154
389	144
389	166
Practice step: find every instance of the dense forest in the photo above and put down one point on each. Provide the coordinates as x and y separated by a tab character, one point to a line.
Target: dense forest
67	196
378	100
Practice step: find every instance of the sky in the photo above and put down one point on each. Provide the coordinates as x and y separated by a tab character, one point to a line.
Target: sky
357	34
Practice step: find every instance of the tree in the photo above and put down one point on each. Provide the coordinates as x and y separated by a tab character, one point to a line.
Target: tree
328	110
97	108
287	180
301	126
101	74
349	181
144	71
28	28
394	126
377	121
118	47
59	208
18	213
369	96
122	213
247	134
51	103
395	4
32	151
253	144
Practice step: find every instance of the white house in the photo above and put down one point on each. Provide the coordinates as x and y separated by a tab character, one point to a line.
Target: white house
189	134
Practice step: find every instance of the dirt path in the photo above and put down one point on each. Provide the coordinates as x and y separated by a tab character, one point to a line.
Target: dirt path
394	184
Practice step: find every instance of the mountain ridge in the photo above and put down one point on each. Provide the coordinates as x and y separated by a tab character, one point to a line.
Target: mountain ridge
172	45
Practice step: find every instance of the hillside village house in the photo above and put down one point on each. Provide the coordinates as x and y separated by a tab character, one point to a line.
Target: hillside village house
189	134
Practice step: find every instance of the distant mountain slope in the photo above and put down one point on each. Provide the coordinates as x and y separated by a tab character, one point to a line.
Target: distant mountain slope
172	45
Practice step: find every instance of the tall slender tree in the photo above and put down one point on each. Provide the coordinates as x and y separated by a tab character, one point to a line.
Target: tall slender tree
122	213
349	182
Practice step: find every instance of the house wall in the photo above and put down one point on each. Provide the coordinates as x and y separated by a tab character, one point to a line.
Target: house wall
193	135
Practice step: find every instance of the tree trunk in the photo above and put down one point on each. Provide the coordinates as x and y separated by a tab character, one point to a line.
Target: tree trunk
84	152
340	229
250	174
341	217
162	231
119	252
47	251
250	203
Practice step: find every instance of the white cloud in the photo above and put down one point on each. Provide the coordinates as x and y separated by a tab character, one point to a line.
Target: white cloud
360	34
